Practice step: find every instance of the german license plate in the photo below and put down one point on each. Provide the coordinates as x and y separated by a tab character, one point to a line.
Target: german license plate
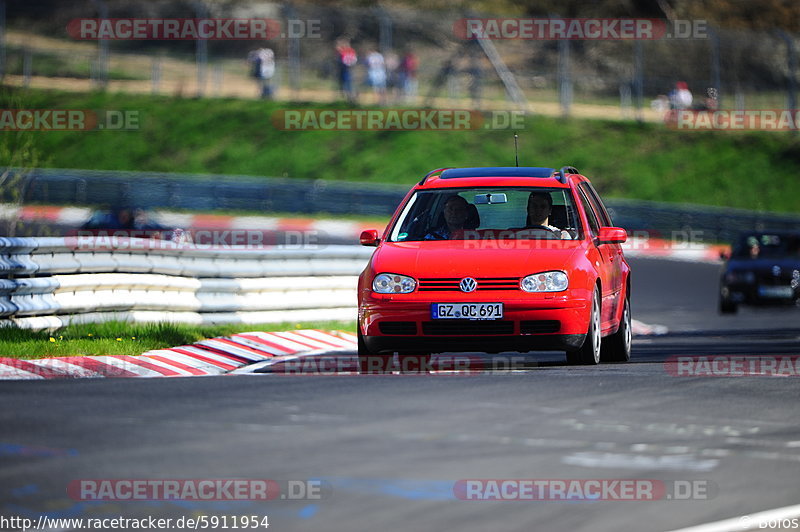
776	291
467	311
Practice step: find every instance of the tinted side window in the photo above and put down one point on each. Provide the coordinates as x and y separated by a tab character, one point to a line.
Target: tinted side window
590	214
591	193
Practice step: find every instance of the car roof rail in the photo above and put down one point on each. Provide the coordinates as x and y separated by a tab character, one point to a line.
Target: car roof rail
497	171
437	171
563	171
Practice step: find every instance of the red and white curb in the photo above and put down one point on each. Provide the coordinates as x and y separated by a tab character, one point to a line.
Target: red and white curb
214	356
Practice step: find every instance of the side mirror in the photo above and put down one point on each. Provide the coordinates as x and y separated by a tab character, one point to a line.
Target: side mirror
369	238
724	254
612	235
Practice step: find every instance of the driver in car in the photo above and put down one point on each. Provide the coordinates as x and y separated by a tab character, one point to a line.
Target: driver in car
455	216
540	205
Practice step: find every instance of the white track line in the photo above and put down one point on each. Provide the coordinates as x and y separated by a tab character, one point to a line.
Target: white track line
746	522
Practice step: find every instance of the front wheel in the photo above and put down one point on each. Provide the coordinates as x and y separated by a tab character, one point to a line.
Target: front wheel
589	353
617	347
727	307
369	362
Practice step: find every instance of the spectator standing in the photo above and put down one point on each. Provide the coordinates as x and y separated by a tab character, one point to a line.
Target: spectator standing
262	68
346	58
681	96
408	75
376	75
393	86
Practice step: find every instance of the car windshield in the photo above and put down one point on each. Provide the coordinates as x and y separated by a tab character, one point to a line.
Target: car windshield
764	245
488	213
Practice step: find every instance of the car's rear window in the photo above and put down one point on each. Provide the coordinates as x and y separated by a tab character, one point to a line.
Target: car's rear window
488	213
765	245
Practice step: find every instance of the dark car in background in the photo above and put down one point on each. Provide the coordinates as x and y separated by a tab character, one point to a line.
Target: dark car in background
121	222
763	269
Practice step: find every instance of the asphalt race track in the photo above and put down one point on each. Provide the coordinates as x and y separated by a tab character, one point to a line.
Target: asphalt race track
384	452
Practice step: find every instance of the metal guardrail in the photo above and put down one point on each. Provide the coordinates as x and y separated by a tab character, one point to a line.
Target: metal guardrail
694	223
223	192
208	192
49	282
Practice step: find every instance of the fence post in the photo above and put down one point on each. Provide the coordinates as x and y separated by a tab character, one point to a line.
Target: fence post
27	67
155	76
638	78
738	97
218	79
101	72
791	85
564	79
384	29
293	50
201	52
625	100
2	39
716	81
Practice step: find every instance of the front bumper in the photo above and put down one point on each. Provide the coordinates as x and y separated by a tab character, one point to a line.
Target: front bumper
531	322
760	294
482	344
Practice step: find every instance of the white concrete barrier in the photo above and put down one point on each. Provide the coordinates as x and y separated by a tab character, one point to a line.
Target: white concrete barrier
51	282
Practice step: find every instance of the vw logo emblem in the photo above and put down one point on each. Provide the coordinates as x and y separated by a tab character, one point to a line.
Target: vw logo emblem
776	271
468	284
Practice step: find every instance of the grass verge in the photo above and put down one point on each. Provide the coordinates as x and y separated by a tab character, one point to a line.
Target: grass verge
751	170
120	338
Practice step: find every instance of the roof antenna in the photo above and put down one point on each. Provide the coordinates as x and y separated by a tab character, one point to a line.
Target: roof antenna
516	151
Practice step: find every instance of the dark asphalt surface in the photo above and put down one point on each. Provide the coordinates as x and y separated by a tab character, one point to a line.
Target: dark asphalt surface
388	449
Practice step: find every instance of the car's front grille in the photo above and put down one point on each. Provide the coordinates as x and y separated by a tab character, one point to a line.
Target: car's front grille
398	327
467	327
443	284
539	326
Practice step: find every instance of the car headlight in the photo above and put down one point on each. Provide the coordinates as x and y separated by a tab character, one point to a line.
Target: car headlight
392	283
545	282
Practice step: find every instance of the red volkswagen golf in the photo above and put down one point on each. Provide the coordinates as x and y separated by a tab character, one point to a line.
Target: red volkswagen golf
497	259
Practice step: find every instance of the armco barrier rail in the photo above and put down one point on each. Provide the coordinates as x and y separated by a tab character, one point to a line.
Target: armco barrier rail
51	282
208	192
304	196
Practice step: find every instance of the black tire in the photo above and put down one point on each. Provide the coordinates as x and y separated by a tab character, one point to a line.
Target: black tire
727	307
369	362
617	347
572	358
589	353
